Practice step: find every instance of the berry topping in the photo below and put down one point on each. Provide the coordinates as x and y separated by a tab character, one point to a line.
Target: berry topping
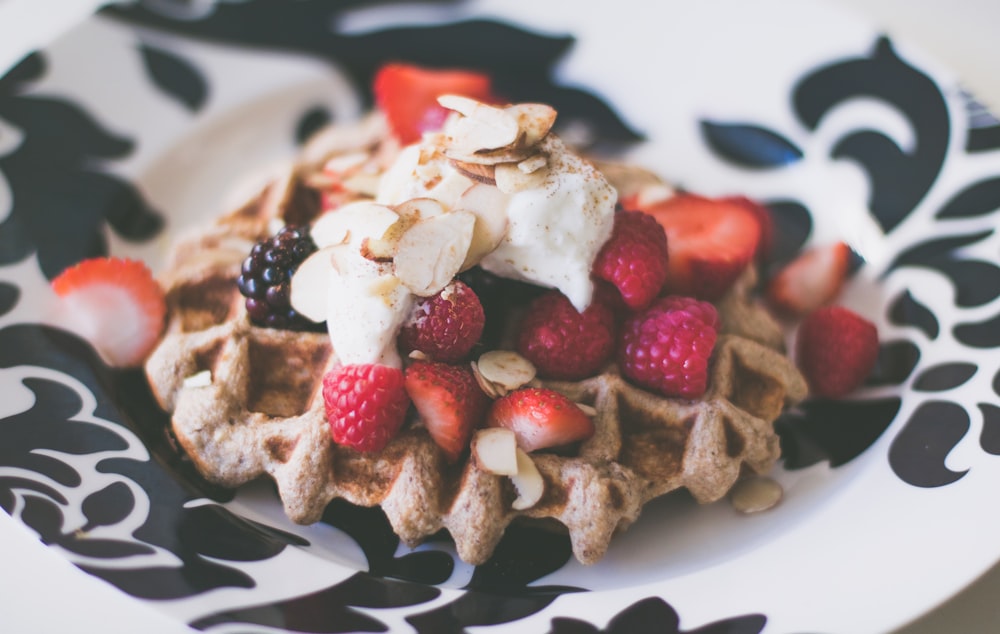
666	347
449	402
113	303
634	259
407	95
266	278
540	418
711	242
812	279
445	326
836	350
563	343
365	405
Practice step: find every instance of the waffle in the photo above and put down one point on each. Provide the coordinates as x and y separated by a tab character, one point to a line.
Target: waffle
261	413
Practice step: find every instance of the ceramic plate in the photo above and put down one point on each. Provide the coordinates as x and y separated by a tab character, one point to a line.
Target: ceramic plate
144	119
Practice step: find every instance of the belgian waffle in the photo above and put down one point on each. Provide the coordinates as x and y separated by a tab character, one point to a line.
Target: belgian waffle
258	410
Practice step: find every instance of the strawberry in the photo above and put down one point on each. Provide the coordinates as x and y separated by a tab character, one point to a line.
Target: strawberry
113	303
634	258
407	95
540	418
449	401
365	405
445	326
812	279
764	218
711	241
564	343
836	350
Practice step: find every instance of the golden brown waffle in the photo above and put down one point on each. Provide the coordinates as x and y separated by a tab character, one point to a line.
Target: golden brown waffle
261	412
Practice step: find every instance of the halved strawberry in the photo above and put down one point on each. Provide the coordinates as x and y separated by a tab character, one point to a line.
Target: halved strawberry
407	95
449	401
113	303
710	241
812	279
540	418
836	349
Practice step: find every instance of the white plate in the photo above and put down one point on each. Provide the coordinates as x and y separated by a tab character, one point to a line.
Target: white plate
154	112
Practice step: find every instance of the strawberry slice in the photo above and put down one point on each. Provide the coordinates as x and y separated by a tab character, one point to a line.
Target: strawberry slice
449	402
407	95
812	279
540	418
710	241
113	303
836	349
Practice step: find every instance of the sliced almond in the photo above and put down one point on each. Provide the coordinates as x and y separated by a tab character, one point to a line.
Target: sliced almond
483	127
489	205
353	223
506	369
204	379
488	387
364	183
479	173
432	251
510	178
496	450
309	283
534	120
490	157
528	481
419	209
755	494
533	164
589	410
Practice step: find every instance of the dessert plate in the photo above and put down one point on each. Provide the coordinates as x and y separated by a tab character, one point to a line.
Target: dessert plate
151	117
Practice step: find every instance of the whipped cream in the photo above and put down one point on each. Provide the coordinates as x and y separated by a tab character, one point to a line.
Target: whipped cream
557	228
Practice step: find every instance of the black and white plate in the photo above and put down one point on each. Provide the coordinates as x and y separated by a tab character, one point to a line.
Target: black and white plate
144	119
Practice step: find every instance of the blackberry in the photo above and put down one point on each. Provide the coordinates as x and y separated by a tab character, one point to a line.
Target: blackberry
266	278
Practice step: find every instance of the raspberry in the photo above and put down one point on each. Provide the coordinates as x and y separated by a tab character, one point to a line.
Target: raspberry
634	259
564	343
266	278
446	326
365	405
836	350
666	347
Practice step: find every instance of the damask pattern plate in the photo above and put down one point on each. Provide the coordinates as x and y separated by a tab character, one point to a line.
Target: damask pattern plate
142	121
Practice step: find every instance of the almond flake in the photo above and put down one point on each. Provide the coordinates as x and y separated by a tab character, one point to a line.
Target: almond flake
488	387
755	494
536	162
528	481
199	379
589	410
480	173
506	369
496	450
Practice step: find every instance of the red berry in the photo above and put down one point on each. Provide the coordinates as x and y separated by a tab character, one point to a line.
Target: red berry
449	401
666	348
812	279
540	418
446	326
564	343
407	95
711	242
634	258
113	303
836	350
365	405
